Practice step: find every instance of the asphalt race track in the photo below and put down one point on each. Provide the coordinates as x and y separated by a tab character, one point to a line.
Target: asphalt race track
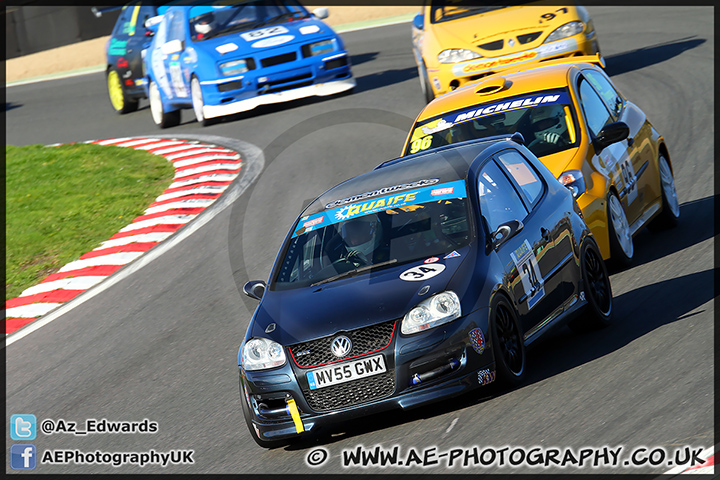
161	344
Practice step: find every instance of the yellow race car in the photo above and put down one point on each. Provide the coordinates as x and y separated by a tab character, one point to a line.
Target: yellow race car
456	42
572	117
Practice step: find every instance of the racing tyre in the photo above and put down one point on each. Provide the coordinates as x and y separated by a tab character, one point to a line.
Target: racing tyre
670	206
425	83
507	343
596	287
621	241
161	118
253	434
118	99
198	102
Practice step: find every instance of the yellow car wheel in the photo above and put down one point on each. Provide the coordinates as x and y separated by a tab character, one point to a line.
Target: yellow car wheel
670	205
621	240
120	103
425	83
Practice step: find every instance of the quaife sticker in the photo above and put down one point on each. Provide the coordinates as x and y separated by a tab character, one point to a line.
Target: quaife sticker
526	263
422	272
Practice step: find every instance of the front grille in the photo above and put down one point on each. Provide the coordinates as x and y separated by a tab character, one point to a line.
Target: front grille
226	87
277	60
528	37
351	393
496	45
364	340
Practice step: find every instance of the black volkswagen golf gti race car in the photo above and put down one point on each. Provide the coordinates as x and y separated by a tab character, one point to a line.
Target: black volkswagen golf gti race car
415	282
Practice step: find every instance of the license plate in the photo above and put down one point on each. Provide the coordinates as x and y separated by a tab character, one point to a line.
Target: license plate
346	372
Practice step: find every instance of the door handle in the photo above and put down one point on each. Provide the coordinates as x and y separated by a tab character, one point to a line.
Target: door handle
545	233
630	140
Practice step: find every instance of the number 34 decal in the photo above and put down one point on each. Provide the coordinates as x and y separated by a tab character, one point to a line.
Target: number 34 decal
422	272
527	265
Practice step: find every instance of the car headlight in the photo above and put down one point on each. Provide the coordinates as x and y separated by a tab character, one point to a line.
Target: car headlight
261	353
319	48
234	68
574	181
455	55
436	310
567	30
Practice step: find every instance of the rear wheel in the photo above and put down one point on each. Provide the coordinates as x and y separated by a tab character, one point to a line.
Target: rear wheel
670	206
597	289
161	118
621	241
118	99
507	343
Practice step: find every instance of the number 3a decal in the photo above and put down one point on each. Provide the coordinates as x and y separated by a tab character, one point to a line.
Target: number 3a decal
628	175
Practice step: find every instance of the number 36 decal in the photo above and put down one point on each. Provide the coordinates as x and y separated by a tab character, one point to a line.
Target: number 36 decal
422	272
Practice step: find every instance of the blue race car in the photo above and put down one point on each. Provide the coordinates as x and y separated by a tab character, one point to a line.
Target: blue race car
413	283
224	59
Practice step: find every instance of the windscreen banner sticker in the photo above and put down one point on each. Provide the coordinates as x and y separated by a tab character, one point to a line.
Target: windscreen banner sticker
478	111
430	193
382	191
263	33
422	272
526	263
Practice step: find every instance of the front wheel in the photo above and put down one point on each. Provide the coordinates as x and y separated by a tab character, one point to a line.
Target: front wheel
161	118
670	213
198	102
118	99
621	241
507	343
596	287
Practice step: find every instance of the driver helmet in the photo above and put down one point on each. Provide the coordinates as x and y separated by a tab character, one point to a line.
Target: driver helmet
362	234
204	25
548	120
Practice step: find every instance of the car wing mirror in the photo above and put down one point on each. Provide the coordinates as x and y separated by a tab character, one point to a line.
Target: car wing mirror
171	47
321	13
254	289
611	133
418	21
505	232
151	23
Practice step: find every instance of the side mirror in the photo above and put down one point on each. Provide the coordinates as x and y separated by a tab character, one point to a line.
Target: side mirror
611	133
418	21
173	46
505	232
254	289
321	13
152	23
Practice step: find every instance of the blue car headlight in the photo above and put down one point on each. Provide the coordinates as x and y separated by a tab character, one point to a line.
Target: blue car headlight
320	48
436	310
261	353
567	30
234	68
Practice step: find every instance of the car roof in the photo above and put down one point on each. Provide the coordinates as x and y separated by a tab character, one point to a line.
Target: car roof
446	164
509	83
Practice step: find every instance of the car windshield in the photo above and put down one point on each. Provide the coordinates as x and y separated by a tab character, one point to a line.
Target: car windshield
446	10
213	21
545	119
360	237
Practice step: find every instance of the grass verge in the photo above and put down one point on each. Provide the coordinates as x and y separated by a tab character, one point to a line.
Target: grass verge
62	202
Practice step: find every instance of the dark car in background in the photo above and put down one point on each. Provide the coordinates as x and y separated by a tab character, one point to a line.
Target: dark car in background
124	55
415	282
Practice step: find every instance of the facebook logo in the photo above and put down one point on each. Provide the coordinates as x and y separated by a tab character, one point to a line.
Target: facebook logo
22	457
23	427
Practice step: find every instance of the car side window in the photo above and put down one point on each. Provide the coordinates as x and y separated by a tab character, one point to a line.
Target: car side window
499	201
527	179
176	30
596	113
607	91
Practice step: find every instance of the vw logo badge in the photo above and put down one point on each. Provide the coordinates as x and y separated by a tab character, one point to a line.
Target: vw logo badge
341	346
511	42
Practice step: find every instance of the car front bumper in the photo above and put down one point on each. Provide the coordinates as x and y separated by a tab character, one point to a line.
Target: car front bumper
446	361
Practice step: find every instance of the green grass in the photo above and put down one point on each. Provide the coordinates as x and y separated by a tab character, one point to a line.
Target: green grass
64	201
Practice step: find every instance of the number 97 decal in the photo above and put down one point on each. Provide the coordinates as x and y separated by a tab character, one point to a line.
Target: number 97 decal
422	272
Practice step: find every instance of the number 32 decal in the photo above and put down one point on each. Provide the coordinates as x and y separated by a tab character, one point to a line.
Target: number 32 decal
422	272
